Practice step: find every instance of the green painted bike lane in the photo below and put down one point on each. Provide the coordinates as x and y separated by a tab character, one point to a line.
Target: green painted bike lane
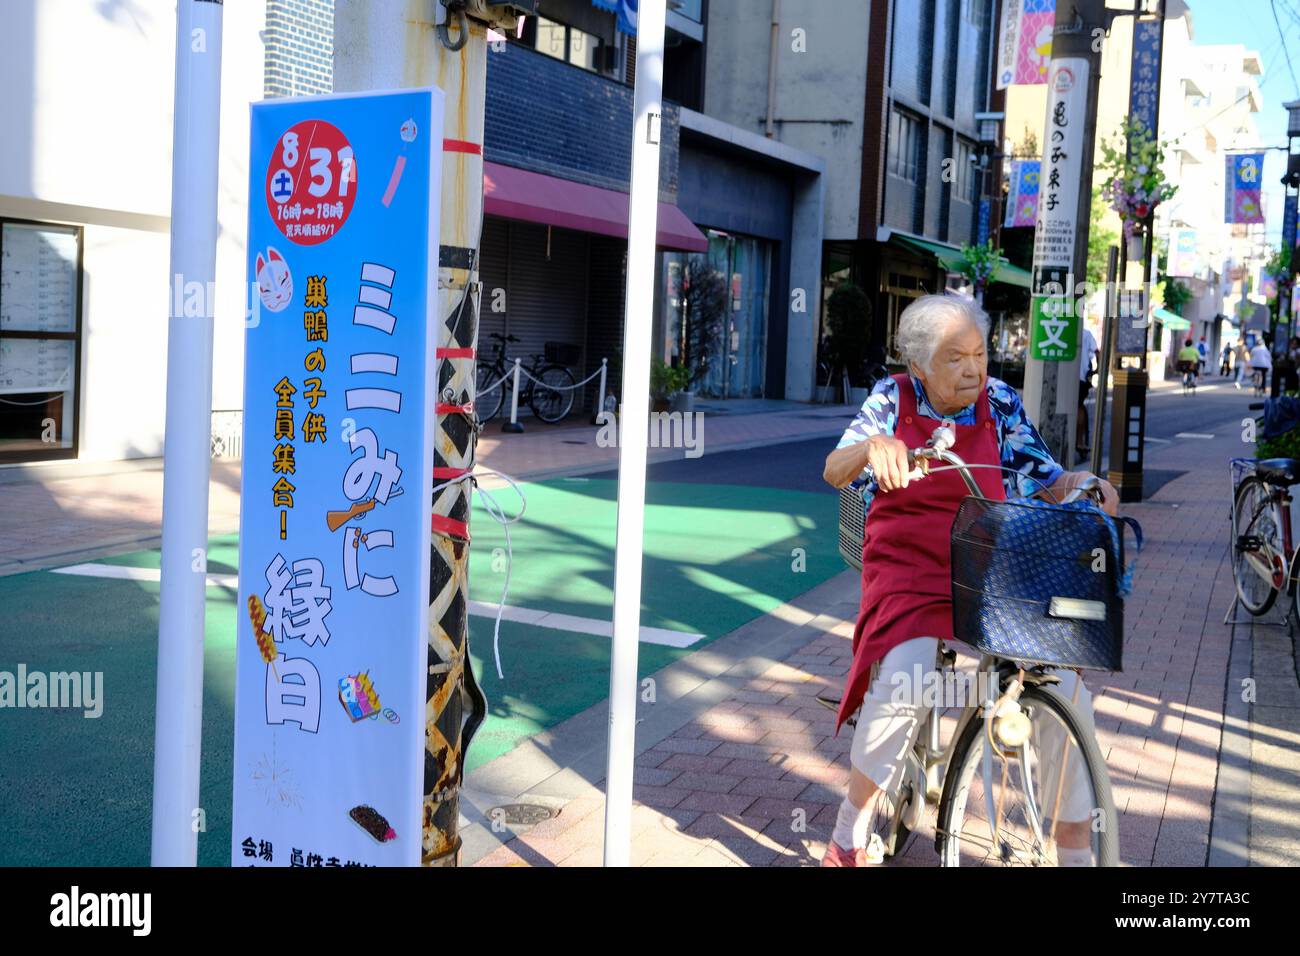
77	791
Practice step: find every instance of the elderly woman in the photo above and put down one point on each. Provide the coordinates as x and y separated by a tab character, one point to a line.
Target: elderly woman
906	599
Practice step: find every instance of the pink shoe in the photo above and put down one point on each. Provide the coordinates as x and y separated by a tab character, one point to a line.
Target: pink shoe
873	855
836	855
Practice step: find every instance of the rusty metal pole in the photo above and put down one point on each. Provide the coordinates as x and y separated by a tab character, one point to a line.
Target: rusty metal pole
390	44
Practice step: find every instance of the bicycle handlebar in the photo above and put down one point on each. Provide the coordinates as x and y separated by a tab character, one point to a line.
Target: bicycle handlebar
937	449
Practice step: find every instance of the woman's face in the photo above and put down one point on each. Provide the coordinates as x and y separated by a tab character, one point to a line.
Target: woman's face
957	369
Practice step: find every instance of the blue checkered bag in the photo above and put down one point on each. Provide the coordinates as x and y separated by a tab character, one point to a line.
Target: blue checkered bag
1041	583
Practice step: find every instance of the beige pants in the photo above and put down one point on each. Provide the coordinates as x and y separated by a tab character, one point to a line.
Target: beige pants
894	707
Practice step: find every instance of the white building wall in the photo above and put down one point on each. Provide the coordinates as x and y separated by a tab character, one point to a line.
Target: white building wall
85	138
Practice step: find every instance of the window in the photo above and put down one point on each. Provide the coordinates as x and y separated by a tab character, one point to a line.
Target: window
690	9
570	44
966	179
904	150
40	340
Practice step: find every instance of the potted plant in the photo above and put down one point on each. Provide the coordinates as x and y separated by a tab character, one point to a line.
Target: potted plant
848	323
662	382
704	310
1133	167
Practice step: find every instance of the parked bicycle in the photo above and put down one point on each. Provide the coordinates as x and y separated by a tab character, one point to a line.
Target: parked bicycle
548	387
1001	777
1265	560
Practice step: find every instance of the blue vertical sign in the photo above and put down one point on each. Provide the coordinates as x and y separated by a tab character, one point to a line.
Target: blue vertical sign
343	225
986	210
1144	79
1289	222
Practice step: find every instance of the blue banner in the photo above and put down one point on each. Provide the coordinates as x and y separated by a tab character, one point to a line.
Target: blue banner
1289	222
1144	78
1243	184
331	653
626	10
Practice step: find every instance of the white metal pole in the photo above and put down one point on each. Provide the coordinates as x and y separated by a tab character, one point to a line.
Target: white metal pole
187	455
513	425
604	370
643	210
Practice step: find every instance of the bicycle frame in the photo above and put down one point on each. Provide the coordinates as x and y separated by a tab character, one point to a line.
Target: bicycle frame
933	756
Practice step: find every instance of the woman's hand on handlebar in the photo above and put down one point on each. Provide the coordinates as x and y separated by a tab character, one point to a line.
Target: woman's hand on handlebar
887	457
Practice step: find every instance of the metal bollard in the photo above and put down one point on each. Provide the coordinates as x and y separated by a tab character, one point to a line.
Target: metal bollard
600	402
513	425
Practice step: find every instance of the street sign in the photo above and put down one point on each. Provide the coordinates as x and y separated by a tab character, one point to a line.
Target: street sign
1054	325
335	513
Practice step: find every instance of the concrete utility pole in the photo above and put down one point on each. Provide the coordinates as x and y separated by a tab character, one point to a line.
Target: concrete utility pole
1061	232
390	44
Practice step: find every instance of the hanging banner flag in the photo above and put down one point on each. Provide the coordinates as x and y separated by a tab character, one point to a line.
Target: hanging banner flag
335	509
1022	200
1243	179
985	217
1182	253
1025	41
1054	320
1144	76
1289	222
1268	286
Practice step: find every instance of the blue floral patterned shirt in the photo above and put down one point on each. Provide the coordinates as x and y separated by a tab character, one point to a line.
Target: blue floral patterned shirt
1023	449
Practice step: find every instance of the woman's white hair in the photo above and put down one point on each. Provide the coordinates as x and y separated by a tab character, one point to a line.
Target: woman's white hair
922	325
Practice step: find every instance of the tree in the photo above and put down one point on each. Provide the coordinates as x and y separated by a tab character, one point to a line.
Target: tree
1100	239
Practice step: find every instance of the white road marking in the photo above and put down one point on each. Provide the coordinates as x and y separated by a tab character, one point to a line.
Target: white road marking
1192	435
560	622
1157	441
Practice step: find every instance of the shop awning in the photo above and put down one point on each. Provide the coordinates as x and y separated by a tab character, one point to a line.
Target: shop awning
534	197
951	258
1175	323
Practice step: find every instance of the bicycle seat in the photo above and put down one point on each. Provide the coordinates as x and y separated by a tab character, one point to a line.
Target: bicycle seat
1283	472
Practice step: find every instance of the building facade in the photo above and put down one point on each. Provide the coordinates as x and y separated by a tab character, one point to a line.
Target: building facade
85	204
299	39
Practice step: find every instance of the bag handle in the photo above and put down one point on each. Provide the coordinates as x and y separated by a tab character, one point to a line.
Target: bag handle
1125	584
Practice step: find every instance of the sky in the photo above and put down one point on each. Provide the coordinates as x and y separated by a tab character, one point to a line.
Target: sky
1251	22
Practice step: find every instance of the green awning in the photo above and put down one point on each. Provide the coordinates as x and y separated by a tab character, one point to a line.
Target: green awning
951	258
1171	321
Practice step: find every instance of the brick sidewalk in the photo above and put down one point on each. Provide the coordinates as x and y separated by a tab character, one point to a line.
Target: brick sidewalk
52	515
753	776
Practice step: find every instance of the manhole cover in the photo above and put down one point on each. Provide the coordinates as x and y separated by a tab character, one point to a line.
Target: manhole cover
521	814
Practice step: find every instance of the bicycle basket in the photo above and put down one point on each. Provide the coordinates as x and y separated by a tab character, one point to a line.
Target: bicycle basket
1040	583
562	353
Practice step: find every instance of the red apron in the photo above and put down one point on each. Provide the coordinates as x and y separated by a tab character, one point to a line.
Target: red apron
906	563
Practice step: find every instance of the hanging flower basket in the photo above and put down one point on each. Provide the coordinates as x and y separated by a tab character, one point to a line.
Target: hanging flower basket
1135	183
980	264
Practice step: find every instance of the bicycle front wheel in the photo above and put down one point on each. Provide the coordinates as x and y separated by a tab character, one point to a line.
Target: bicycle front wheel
1022	803
553	402
487	405
1257	550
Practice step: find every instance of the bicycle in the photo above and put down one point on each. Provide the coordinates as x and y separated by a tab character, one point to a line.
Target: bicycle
1189	370
1020	719
1264	560
551	401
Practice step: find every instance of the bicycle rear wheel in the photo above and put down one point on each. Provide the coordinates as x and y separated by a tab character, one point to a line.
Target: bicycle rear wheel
488	405
1257	549
554	402
1057	776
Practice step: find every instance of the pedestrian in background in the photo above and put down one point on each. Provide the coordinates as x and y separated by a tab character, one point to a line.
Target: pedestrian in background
1240	359
1227	361
1261	363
